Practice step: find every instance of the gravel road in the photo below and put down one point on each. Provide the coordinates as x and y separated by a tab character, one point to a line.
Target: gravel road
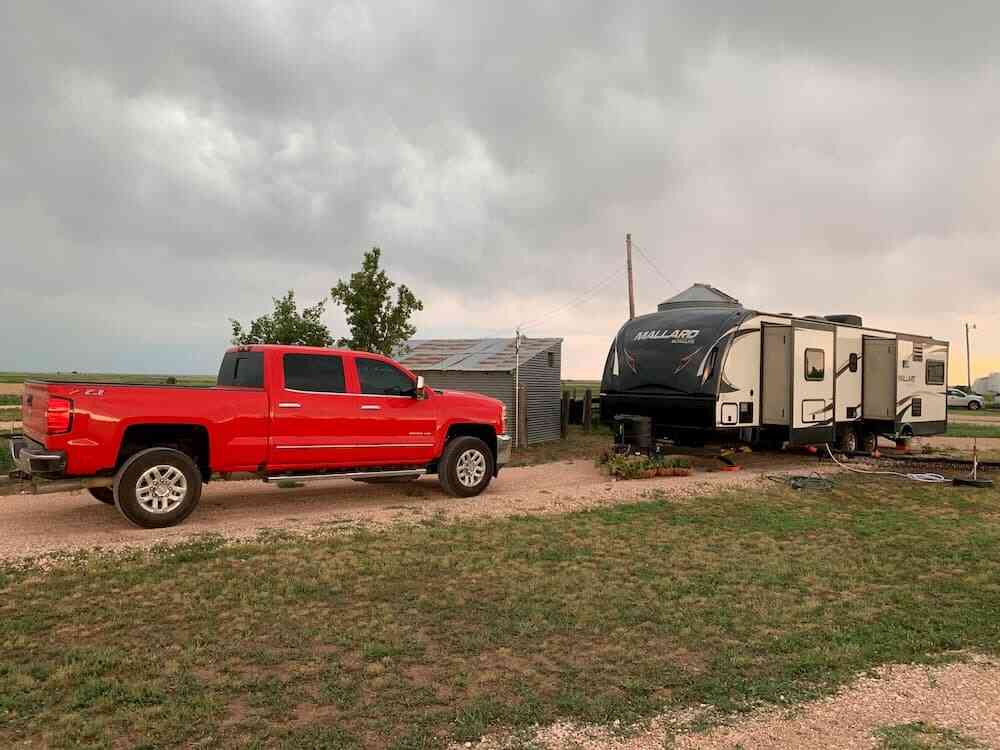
44	524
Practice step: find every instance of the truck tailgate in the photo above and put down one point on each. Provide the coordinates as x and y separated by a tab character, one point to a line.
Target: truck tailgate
33	405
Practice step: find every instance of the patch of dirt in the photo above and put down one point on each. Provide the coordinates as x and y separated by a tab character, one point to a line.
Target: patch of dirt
42	525
963	697
11	389
957	443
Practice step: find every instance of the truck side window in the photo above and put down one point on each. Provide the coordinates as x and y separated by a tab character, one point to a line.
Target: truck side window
315	373
379	378
242	369
815	364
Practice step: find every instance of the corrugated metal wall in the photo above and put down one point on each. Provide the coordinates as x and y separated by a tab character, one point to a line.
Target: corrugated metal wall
544	382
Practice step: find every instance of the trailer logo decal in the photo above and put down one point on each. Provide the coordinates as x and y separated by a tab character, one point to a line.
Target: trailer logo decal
676	336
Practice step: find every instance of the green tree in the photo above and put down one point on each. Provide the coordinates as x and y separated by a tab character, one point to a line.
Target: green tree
286	325
377	323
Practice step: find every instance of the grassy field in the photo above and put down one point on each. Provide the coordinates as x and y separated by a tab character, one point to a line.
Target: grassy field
417	636
582	385
969	429
9	399
96	377
10	414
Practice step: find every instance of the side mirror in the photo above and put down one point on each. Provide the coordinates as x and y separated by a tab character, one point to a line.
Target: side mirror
418	392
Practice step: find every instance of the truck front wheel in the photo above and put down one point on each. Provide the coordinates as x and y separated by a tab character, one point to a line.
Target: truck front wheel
157	487
466	467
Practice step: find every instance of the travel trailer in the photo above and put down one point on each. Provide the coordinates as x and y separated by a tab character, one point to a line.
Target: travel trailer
702	363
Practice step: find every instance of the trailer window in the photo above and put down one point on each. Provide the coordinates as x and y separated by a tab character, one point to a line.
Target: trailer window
315	373
815	364
935	372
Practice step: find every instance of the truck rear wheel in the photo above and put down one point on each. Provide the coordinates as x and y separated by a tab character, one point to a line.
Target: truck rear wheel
105	494
157	487
466	467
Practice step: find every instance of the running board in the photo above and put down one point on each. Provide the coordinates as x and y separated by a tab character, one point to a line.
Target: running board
348	475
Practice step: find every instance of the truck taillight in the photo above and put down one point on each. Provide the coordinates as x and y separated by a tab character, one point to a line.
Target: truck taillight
58	415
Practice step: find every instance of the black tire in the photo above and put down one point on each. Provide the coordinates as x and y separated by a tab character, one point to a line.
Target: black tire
448	467
869	442
973	405
128	477
105	494
848	440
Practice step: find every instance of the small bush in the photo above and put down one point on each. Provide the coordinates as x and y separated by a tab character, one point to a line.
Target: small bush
647	467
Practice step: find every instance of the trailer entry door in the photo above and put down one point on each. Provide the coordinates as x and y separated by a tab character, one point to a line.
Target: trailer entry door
813	376
775	388
878	382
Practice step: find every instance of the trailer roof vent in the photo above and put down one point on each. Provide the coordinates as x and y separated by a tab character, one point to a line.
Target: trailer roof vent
847	320
699	295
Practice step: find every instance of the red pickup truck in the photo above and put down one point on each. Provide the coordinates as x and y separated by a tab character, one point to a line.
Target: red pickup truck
278	412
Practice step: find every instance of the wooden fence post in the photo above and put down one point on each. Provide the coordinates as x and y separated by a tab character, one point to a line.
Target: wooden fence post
588	407
564	416
522	426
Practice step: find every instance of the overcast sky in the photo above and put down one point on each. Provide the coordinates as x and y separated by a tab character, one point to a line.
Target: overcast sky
166	166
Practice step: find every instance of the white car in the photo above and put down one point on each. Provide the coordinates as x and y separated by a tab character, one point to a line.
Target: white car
961	398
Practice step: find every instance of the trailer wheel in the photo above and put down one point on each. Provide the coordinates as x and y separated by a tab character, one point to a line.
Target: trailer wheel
466	467
847	441
869	441
105	494
157	487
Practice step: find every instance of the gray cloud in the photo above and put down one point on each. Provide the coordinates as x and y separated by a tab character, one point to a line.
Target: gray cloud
166	166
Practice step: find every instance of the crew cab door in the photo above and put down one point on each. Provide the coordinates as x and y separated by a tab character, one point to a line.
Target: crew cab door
812	386
397	427
315	419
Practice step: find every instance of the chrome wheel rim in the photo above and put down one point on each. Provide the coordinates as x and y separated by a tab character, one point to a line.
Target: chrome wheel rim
471	467
161	489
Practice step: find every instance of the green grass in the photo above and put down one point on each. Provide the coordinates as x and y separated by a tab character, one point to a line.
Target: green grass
95	377
970	429
10	399
919	735
10	415
578	445
421	635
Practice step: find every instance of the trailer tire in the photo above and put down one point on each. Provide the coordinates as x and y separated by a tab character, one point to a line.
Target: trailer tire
869	441
157	487
466	467
105	495
847	441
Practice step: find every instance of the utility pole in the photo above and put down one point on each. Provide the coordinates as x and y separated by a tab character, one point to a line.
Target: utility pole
968	357
631	285
517	387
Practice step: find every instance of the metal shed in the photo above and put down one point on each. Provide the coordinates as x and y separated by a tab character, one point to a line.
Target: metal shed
487	366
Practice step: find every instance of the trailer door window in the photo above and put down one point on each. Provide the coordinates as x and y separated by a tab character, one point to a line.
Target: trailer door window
815	364
935	372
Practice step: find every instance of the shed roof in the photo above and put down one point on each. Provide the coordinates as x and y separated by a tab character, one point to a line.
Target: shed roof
483	355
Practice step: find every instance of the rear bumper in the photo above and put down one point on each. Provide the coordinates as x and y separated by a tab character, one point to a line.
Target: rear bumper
504	446
31	457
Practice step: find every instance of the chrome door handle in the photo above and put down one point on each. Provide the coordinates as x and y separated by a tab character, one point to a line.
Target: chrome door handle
370	407
289	405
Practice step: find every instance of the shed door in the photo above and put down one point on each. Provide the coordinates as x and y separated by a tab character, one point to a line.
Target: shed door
775	385
878	398
813	375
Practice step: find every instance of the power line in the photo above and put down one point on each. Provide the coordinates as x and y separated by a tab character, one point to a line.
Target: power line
652	264
585	297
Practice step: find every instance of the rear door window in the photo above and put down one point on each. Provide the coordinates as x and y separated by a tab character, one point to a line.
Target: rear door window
314	373
379	378
242	369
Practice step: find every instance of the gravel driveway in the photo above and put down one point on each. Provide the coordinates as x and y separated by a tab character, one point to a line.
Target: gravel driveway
43	524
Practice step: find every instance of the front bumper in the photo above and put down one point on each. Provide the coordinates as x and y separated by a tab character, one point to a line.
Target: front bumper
31	457
504	446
